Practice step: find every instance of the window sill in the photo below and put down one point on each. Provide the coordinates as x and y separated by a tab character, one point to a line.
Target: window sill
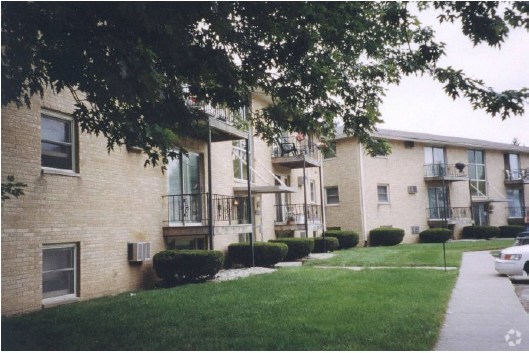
66	299
329	159
384	203
65	172
332	205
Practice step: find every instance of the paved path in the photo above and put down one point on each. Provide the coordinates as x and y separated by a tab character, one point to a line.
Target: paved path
483	309
359	268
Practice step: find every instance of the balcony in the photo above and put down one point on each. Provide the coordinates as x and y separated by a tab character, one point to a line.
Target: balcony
447	172
187	214
295	151
437	215
517	215
226	125
292	216
516	176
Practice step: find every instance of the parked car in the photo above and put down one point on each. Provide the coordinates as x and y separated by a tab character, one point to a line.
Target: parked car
513	261
522	239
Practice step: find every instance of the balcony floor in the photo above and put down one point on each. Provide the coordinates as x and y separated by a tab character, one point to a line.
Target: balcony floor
295	162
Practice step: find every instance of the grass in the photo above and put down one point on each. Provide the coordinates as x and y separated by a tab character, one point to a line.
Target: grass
292	309
410	254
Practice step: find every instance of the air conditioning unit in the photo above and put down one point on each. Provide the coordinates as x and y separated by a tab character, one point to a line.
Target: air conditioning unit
138	252
412	189
409	144
300	181
414	229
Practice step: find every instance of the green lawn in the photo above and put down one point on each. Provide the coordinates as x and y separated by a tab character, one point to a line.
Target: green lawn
292	309
410	254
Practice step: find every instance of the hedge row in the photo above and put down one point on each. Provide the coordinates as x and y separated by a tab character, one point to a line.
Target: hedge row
480	232
297	247
510	231
346	239
435	235
266	254
385	236
187	266
331	244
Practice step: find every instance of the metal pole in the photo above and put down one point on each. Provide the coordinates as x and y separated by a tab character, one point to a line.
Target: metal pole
305	198
210	193
322	207
249	175
471	206
444	253
445	221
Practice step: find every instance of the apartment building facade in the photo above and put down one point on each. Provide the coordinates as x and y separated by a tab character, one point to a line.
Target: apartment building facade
69	237
427	181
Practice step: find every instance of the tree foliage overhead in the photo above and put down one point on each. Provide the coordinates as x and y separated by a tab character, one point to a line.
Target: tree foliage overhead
127	63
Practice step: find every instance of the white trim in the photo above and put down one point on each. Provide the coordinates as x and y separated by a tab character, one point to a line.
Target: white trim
362	191
387	194
73	137
56	171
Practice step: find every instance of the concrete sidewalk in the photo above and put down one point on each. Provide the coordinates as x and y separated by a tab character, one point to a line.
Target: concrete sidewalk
483	310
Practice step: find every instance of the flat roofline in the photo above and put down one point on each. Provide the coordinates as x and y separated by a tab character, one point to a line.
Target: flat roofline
398	135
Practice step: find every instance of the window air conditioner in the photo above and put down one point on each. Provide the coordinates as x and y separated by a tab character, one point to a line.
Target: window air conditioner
138	252
414	229
412	189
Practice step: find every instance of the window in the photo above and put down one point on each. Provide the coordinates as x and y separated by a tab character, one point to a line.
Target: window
476	167
57	142
516	208
188	243
239	160
312	191
434	161
184	188
59	271
329	151
334	228
332	195
383	193
438	203
512	166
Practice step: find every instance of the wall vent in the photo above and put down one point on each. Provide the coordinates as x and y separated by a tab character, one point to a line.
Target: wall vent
409	144
138	252
414	229
412	189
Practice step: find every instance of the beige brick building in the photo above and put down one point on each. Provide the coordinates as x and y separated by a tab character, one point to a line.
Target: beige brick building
67	238
405	188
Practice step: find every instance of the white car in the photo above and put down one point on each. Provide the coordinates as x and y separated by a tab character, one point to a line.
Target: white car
513	261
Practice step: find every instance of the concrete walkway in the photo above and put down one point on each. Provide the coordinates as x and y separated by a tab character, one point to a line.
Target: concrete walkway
359	268
484	311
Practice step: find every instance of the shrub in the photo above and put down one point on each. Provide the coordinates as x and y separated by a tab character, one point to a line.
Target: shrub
346	239
385	236
297	247
510	231
331	244
435	235
266	254
481	232
186	266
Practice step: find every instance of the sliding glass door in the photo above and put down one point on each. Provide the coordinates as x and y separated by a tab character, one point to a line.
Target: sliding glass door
185	198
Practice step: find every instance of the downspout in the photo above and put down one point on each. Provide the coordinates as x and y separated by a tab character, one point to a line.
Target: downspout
323	218
210	192
305	198
362	197
249	174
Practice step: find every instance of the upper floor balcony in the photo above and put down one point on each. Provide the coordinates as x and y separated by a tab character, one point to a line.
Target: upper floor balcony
447	172
187	214
226	124
516	176
292	216
295	152
450	214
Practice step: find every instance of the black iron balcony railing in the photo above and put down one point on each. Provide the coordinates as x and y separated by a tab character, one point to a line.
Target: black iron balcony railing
518	212
295	213
298	145
192	209
230	117
517	174
445	170
449	213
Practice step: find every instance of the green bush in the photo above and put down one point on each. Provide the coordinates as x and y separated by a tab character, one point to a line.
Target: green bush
481	232
186	266
385	236
331	244
435	235
297	247
510	231
346	239
266	254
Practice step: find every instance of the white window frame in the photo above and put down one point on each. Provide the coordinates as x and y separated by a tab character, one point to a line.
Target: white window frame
387	194
327	195
72	143
312	191
236	150
65	297
475	166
